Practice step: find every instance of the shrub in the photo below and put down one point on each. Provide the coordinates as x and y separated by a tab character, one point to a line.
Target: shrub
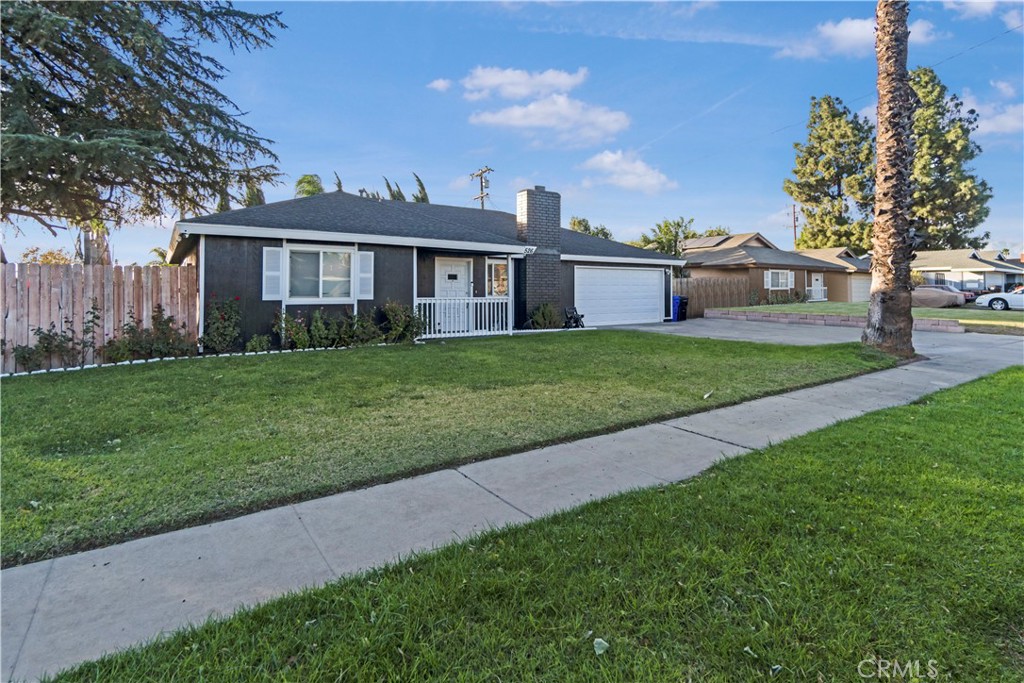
223	331
163	339
291	331
258	342
400	323
360	329
67	346
320	336
544	317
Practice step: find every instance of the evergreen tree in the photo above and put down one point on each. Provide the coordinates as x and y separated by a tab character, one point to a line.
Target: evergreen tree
337	183
253	195
395	193
111	112
308	185
578	224
949	201
421	191
223	202
834	182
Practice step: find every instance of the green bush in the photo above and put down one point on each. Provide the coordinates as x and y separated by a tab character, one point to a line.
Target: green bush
223	331
320	336
66	345
400	323
544	317
165	338
291	331
258	342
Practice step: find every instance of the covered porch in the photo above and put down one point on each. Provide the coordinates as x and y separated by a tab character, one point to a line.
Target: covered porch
464	294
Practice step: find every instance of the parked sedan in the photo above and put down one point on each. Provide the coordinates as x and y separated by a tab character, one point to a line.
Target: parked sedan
968	296
1002	301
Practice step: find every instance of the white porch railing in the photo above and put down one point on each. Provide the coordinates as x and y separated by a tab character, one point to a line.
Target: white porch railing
465	316
817	293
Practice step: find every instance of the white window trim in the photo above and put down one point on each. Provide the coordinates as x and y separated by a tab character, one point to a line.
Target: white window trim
487	275
786	274
290	300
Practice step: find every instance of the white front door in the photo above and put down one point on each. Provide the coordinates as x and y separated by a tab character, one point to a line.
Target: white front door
817	288
453	280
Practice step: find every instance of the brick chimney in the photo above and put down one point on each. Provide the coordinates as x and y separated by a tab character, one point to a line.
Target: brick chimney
539	224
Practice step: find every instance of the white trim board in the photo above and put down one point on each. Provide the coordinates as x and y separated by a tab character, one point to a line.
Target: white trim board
345	237
624	259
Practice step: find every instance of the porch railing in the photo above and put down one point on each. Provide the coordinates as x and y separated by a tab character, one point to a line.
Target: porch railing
817	293
464	316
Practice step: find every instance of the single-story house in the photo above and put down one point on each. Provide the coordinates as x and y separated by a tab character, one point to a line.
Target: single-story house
466	271
969	269
768	269
854	284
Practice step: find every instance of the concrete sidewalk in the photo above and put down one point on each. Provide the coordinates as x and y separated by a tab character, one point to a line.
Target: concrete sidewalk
60	612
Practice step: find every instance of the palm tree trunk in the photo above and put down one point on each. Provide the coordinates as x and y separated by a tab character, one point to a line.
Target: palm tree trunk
890	324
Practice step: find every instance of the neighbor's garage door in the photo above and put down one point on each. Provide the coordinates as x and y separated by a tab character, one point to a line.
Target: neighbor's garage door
619	296
860	287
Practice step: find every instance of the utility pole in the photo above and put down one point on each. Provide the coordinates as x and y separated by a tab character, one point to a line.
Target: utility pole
484	183
794	226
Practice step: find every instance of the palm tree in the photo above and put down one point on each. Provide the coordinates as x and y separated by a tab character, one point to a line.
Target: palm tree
890	324
160	255
308	185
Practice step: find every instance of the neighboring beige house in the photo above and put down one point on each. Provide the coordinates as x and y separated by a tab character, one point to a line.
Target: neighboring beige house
854	284
969	269
768	269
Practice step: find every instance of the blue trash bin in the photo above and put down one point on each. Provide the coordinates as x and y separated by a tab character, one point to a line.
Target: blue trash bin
676	302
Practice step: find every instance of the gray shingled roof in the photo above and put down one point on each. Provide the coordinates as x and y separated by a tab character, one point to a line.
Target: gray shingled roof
754	257
839	256
348	213
961	259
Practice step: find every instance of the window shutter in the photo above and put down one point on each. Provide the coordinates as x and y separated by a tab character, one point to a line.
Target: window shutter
791	279
273	273
767	279
365	288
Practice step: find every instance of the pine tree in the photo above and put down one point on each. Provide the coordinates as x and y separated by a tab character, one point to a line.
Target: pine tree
111	111
834	177
421	191
253	195
949	201
395	193
337	183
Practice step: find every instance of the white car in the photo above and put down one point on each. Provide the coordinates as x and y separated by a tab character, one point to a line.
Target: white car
1001	301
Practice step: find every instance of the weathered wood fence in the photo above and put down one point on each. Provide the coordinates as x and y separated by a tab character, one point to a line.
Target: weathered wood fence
34	296
711	292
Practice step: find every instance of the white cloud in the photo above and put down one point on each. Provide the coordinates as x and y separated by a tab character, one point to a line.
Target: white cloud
440	84
459	183
628	171
852	38
687	10
518	84
1013	19
996	118
576	123
971	9
1005	88
870	112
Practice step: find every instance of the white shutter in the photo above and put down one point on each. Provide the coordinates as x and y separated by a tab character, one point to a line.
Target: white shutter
767	279
273	273
791	279
364	289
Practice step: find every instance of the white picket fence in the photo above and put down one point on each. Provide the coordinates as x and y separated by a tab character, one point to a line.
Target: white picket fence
465	316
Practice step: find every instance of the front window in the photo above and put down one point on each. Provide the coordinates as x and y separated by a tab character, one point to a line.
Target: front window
778	279
320	274
497	278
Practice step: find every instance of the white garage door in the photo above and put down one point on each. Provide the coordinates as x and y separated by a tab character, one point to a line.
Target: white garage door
860	287
620	296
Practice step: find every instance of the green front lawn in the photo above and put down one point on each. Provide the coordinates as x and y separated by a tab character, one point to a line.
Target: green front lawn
95	457
895	536
974	318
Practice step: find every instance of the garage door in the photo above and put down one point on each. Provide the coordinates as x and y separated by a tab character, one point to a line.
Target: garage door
860	287
620	296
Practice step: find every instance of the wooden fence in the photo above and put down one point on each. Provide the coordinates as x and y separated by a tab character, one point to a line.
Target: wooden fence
712	292
34	296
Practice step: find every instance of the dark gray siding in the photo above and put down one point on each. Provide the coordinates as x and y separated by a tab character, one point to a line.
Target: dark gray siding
234	267
425	271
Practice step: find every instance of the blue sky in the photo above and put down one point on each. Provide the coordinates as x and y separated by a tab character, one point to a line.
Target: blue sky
634	112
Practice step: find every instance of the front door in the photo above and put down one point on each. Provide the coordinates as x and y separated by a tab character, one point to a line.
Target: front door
817	289
453	284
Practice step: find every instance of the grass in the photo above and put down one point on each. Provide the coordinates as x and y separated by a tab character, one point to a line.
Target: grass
96	457
893	536
974	318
